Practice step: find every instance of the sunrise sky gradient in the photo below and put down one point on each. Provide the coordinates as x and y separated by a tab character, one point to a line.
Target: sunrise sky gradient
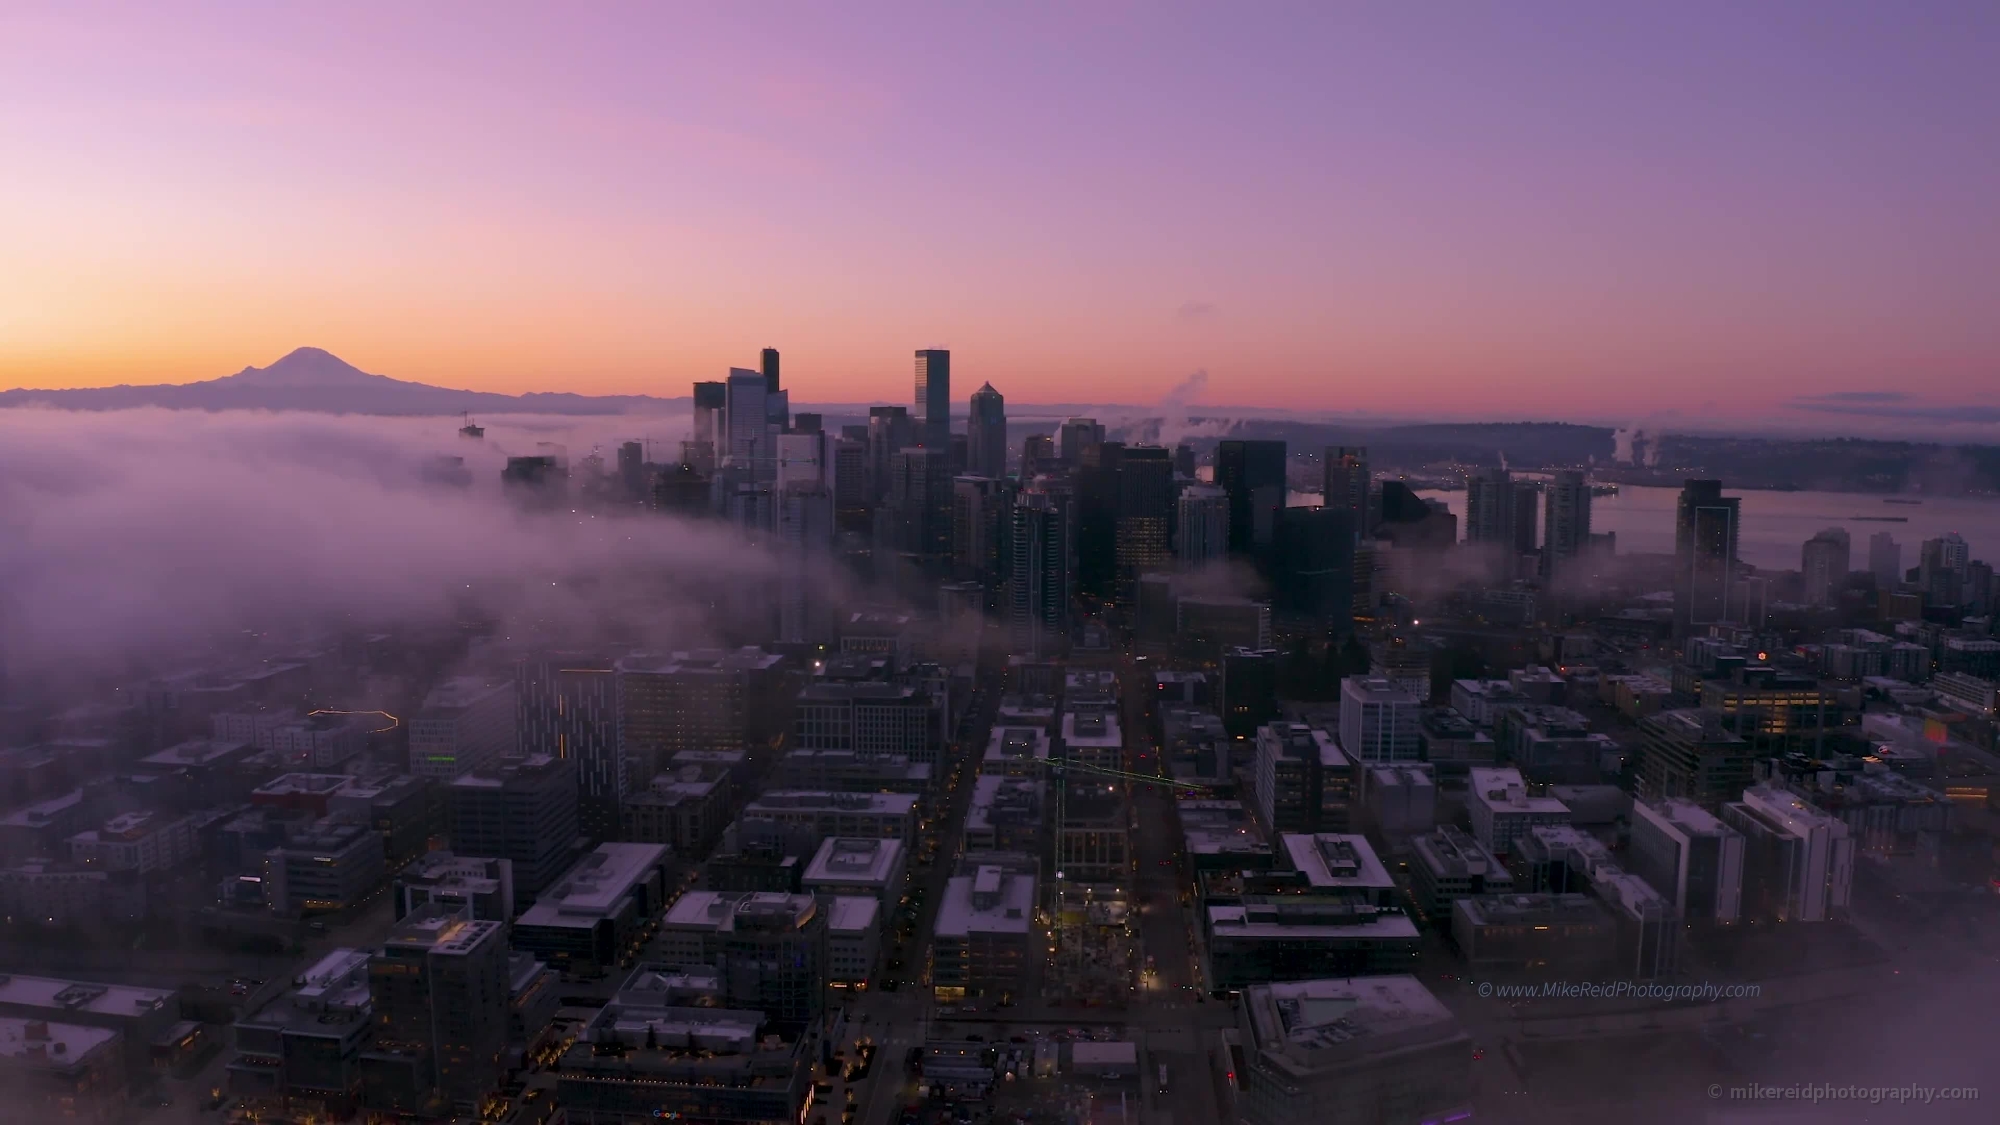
1575	210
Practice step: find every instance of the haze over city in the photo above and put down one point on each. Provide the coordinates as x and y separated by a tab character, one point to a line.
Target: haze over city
1084	564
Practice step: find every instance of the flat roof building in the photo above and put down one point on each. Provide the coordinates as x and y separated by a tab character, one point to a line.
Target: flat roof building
868	867
982	944
1280	938
465	723
1447	865
1355	1051
1502	811
1340	867
590	917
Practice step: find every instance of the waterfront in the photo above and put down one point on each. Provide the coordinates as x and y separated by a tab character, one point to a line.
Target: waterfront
1777	524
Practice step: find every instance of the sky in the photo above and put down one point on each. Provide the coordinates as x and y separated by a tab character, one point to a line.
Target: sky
1552	210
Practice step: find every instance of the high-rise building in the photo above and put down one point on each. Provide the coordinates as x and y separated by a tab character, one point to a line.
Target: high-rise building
1096	515
523	810
1705	530
1038	452
1885	560
1201	534
1798	861
890	431
1691	754
711	409
568	709
767	366
1490	509
1144	516
986	434
1252	473
920	494
1077	439
1825	561
1380	721
1184	460
632	472
1527	504
852	500
1039	582
801	461
933	409
465	723
1312	570
1565	521
768	949
805	548
1689	856
1941	565
708	699
440	991
982	528
1345	482
1249	690
747	423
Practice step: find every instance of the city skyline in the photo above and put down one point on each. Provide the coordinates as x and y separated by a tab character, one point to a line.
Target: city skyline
1654	215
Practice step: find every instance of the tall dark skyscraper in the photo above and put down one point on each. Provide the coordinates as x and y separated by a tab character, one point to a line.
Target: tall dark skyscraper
1039	583
1527	499
986	434
1312	570
920	493
1097	520
566	706
933	408
1566	522
768	365
1346	483
781	407
1144	529
890	431
1038	451
1253	474
1705	526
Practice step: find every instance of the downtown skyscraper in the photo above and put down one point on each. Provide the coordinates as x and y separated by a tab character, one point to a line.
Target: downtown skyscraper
1566	521
1346	483
1705	531
986	434
1253	474
932	412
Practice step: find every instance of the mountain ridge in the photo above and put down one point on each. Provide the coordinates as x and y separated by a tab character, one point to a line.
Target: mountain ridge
315	380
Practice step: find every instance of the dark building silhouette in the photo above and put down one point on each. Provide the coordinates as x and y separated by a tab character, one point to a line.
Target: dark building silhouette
986	434
1252	473
1312	570
1143	534
1039	585
566	704
780	405
933	405
1408	520
1346	483
920	495
1705	528
1097	520
1249	690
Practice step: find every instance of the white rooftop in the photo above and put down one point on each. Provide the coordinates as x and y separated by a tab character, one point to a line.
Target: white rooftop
1503	790
1336	860
1011	909
592	890
848	860
852	914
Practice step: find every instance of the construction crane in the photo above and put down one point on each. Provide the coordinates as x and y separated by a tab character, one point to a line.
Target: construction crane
1061	768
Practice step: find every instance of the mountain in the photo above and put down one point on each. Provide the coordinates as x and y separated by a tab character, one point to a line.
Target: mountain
315	380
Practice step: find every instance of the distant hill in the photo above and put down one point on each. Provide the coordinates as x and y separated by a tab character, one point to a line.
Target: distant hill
315	380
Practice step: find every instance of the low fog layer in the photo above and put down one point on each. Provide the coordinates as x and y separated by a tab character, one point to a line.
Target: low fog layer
129	537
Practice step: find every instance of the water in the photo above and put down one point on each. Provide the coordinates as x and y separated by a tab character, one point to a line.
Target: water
1777	524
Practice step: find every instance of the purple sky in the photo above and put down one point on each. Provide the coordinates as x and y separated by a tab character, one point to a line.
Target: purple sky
1576	210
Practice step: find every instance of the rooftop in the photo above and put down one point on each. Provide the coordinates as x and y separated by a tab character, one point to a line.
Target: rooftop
1452	853
853	914
437	929
843	859
57	994
194	752
1091	729
1293	920
1502	790
51	1045
738	910
1530	909
302	784
1331	860
780	801
990	902
592	889
1300	1027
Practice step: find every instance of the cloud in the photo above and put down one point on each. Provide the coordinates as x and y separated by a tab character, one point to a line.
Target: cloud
1193	312
142	539
1859	396
1886	408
